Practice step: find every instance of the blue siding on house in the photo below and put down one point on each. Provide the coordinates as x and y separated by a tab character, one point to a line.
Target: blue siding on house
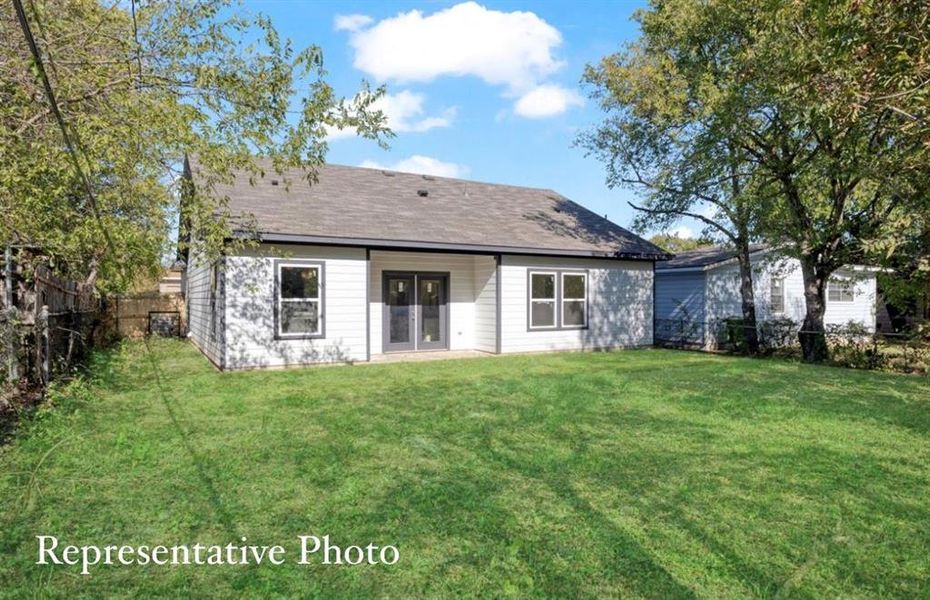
680	295
679	306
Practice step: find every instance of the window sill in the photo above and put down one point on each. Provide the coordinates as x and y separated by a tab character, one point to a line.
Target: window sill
300	336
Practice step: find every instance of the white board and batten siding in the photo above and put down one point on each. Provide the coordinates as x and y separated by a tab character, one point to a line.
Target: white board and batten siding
204	311
467	295
250	308
485	304
620	305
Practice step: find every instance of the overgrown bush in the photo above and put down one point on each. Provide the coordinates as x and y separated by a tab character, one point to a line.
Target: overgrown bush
852	345
734	334
779	333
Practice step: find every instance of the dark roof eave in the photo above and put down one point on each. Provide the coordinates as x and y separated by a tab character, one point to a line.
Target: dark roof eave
290	238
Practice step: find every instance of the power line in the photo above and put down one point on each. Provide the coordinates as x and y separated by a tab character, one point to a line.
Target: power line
69	144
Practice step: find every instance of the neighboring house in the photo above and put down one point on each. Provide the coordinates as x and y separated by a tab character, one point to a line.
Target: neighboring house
366	262
696	290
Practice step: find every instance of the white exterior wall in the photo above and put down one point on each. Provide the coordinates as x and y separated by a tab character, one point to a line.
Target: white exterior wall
485	304
620	305
723	296
200	318
250	306
461	293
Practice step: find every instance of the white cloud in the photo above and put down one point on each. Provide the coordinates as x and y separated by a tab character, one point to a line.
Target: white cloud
546	100
351	22
682	231
404	110
514	49
404	113
425	165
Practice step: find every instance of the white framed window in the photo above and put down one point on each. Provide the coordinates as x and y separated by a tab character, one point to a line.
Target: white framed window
840	290
574	300
777	294
299	299
542	299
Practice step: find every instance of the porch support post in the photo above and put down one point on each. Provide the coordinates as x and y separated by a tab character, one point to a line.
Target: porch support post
368	304
498	292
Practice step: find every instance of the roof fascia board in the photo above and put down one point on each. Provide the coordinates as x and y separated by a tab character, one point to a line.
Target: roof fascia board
442	246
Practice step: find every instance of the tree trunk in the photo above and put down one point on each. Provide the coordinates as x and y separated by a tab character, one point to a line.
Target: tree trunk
748	297
812	335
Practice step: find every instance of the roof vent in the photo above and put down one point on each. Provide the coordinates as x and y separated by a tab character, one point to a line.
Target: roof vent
274	182
387	173
429	177
422	193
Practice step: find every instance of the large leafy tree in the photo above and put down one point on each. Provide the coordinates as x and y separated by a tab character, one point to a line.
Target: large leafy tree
139	84
675	243
671	133
821	107
837	129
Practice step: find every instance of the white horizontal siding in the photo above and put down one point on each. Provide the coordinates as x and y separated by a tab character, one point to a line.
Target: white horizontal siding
863	307
461	307
620	305
724	300
200	317
250	305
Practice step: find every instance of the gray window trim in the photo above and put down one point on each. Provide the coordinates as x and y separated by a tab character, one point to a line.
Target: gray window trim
558	272
555	300
214	284
562	275
276	298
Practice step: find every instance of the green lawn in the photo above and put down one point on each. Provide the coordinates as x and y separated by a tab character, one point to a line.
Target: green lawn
637	474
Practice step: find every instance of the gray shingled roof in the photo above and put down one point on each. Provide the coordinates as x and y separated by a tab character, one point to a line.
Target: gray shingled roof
352	204
703	257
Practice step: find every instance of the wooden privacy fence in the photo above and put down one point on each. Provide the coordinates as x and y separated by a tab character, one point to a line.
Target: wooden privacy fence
48	322
148	313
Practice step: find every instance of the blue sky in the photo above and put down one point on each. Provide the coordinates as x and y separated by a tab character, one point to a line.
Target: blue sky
487	91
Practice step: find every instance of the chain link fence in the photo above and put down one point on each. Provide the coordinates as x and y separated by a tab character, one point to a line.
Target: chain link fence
850	345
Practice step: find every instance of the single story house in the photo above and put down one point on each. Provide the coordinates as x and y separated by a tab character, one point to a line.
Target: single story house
366	262
696	290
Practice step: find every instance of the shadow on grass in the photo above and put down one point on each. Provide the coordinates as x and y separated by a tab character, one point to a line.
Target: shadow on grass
199	462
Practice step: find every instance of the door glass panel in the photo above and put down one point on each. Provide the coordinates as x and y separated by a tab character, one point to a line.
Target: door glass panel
430	300
399	297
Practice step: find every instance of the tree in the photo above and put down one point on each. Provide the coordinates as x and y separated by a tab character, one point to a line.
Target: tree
836	127
675	243
138	85
671	134
818	110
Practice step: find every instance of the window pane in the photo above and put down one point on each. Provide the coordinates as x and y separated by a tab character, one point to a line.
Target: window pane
300	317
430	310
840	291
573	286
777	292
573	313
542	314
300	282
543	285
399	299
